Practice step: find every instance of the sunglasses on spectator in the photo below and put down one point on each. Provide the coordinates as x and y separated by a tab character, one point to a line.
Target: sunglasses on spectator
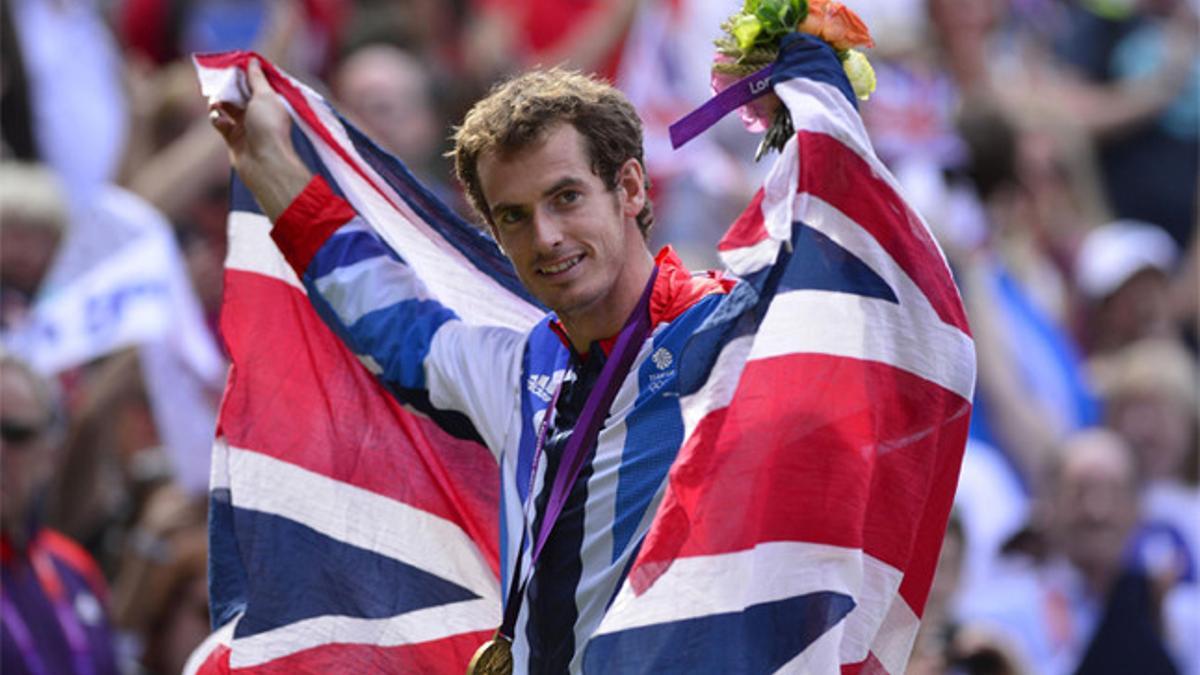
20	431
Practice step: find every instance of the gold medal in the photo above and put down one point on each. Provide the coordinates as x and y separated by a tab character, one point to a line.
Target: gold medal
493	657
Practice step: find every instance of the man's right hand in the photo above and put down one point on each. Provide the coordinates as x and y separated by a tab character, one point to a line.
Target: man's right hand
260	148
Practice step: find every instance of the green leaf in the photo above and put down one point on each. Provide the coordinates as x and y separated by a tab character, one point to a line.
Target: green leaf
746	29
768	13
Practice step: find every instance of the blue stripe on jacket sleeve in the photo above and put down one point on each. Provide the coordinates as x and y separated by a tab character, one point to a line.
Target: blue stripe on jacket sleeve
405	381
398	337
348	246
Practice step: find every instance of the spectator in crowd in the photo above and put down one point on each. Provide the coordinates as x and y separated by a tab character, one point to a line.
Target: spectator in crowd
114	460
944	644
55	618
1123	271
1032	390
388	95
68	63
1147	49
1185	294
33	219
1083	608
160	593
507	36
1150	392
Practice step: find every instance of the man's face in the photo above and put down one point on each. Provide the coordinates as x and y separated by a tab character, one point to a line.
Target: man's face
26	250
1158	427
1095	500
385	91
572	241
1140	307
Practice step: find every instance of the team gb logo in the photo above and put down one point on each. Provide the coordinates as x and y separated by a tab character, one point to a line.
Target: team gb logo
662	358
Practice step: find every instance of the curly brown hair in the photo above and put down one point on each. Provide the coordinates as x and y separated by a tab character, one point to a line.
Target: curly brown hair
518	112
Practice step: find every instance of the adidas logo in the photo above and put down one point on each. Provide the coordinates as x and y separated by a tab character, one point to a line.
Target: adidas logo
541	386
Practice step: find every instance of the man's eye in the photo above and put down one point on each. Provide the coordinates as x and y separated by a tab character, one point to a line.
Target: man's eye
510	217
569	196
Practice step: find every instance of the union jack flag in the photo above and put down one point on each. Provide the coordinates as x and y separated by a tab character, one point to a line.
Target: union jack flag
346	530
823	408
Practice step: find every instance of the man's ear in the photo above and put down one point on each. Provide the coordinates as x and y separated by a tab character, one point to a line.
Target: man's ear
631	182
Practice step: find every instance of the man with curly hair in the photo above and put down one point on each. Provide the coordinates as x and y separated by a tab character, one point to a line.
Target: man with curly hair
709	452
552	162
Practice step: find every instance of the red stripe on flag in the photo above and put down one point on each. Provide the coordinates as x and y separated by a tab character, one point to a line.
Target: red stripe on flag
217	662
831	171
237	58
327	414
748	229
449	655
867	458
868	666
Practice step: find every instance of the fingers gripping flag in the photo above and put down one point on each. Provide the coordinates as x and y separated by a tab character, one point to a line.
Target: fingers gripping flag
347	532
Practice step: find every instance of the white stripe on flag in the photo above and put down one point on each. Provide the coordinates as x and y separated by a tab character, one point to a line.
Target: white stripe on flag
703	585
226	85
895	637
219	465
879	610
823	108
828	322
217	639
422	625
718	389
251	249
428	253
692	587
749	259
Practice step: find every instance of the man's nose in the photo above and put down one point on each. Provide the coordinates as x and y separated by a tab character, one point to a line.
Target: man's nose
547	230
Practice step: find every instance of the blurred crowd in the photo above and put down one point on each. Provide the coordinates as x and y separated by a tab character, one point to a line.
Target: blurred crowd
1052	145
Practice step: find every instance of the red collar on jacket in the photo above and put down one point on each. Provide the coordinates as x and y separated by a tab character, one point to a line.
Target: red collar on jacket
675	291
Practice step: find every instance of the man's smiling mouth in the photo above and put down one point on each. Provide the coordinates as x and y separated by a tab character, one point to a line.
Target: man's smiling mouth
560	267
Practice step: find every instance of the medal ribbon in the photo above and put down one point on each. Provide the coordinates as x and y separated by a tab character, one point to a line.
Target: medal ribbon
70	624
579	445
20	633
731	98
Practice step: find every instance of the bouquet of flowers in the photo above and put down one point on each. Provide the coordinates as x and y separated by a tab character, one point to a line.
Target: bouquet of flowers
752	41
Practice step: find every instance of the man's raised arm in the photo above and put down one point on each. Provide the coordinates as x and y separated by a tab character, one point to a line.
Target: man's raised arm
260	146
370	297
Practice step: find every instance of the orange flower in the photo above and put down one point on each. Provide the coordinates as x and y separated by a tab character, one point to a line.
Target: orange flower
836	24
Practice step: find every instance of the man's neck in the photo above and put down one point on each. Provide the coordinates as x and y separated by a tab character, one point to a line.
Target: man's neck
608	318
